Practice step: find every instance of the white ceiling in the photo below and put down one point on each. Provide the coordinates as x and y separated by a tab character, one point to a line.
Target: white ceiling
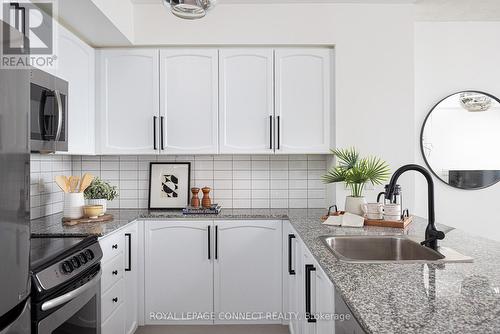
458	10
287	1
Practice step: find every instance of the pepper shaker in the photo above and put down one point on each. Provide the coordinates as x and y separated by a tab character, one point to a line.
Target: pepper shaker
195	200
206	202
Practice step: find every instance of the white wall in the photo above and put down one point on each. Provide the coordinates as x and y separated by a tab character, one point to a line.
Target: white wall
374	52
449	57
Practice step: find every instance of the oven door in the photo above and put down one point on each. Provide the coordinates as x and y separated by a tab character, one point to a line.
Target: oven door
48	113
80	313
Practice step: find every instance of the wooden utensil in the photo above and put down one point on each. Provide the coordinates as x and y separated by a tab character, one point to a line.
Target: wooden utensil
61	181
73	183
86	181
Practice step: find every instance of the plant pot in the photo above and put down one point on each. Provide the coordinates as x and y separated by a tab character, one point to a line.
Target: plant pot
354	205
100	201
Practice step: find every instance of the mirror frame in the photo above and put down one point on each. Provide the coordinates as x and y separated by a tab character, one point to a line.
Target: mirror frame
422	137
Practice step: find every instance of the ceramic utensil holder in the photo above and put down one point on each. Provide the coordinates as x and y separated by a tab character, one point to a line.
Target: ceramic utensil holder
73	205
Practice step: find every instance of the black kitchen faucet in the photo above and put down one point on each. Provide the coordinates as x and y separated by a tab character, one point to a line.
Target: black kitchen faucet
432	235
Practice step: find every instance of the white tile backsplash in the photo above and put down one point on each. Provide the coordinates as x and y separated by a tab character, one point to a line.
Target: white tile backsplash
239	181
46	197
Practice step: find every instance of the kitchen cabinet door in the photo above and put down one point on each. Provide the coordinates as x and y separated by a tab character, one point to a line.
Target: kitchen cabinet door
325	303
189	101
178	271
309	288
303	100
294	274
128	101
246	100
76	64
131	277
247	269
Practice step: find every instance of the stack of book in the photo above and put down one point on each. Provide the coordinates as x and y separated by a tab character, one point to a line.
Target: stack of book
213	210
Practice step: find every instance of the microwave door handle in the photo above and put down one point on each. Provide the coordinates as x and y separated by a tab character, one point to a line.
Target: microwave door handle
41	115
59	114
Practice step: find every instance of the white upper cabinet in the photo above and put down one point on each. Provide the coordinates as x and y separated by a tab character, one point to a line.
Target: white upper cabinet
303	91
128	101
188	101
247	268
76	64
246	100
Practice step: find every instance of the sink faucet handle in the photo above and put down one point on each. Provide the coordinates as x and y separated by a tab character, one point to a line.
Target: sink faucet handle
434	235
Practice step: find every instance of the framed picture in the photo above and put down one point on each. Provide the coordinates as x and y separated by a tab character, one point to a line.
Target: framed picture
169	185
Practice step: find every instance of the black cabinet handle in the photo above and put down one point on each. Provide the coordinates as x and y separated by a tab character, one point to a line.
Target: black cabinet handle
309	268
270	132
115	272
209	246
115	300
162	134
154	132
216	242
290	270
129	243
115	246
278	132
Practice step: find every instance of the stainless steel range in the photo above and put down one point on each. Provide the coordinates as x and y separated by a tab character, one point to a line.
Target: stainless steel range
66	276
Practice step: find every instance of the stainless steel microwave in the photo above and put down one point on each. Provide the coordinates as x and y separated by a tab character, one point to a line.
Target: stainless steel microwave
48	113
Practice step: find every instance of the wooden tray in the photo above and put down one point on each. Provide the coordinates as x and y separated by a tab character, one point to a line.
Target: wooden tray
101	219
389	223
336	213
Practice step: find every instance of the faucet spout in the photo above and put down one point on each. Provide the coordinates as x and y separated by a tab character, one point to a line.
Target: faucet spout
432	235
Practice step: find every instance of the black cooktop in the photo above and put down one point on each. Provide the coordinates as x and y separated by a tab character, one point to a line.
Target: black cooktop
45	251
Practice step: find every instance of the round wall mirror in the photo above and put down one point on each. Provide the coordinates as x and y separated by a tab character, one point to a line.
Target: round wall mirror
460	139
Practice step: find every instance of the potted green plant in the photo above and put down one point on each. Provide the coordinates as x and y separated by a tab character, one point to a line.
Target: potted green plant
99	192
355	172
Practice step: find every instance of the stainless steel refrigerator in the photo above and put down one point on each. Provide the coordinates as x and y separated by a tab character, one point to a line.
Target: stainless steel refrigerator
14	196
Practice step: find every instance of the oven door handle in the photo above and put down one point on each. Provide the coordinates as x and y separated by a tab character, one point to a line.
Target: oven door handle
59	114
50	304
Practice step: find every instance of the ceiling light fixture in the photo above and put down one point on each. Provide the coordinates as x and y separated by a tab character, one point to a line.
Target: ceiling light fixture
189	9
475	101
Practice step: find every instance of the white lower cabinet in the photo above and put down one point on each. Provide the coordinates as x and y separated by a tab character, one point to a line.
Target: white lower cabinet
247	270
311	301
119	281
131	277
115	323
214	272
197	268
178	271
293	277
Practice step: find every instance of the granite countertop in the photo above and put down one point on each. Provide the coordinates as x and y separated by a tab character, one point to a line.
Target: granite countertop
384	298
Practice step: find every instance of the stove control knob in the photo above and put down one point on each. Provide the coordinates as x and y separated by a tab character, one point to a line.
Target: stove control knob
89	254
75	262
66	267
82	258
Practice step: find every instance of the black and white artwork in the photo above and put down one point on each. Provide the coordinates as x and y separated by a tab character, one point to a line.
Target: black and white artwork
169	185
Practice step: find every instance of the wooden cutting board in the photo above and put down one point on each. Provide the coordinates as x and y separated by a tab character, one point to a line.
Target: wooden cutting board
101	219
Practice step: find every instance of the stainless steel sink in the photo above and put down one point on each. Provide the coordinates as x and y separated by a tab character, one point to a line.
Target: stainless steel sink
388	249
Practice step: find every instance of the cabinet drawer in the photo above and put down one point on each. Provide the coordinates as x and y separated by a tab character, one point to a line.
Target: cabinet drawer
115	323
111	246
112	272
112	299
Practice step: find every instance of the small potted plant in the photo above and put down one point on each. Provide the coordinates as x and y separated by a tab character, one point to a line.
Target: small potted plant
355	172
99	192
